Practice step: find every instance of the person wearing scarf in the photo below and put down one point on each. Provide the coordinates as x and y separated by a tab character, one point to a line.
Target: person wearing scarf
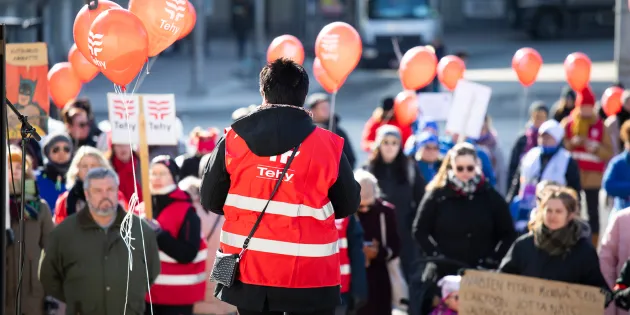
590	145
614	123
462	217
51	179
538	114
548	161
120	158
37	226
427	154
556	248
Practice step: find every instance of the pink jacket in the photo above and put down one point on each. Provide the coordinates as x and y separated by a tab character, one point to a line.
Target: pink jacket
614	251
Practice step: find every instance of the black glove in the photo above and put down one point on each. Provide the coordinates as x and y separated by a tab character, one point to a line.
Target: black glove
10	237
622	299
609	296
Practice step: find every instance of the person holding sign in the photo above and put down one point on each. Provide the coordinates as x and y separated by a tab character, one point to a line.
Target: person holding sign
556	249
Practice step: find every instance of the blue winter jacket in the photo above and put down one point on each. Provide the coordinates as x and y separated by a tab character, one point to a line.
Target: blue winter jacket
616	180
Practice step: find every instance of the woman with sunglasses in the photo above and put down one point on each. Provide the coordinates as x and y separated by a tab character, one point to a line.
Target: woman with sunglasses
51	179
462	217
556	248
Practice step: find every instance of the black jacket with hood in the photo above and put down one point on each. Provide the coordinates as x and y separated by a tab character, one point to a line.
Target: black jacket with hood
268	132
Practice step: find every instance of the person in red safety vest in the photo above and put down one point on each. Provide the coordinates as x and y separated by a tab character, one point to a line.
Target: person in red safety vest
354	291
591	147
292	263
182	279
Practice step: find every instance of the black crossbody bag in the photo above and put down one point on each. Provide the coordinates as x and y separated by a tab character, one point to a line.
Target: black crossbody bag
225	266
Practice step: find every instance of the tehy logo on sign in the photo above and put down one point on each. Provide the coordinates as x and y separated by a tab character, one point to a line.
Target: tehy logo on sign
158	109
330	46
95	45
121	111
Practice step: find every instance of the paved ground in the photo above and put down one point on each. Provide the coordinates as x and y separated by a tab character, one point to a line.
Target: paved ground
489	63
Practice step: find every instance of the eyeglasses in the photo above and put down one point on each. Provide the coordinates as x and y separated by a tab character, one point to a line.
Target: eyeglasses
431	148
468	168
56	150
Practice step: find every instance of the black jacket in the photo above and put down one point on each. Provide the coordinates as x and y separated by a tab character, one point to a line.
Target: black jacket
347	146
470	229
270	132
580	266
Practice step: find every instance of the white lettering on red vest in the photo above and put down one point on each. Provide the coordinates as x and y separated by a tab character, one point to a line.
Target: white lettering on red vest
267	172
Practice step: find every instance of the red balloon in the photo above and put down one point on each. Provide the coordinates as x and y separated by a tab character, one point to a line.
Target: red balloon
63	84
85	70
406	107
286	46
611	100
526	63
190	21
119	45
82	23
163	20
577	68
330	85
417	68
339	48
450	70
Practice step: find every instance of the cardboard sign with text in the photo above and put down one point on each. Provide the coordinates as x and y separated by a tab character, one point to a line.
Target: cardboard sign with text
27	86
159	114
490	293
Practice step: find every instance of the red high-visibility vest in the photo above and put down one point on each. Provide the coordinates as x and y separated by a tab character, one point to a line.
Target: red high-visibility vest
344	258
588	161
179	284
295	245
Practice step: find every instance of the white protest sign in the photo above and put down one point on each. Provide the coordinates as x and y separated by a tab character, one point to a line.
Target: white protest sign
119	120
435	105
468	109
159	111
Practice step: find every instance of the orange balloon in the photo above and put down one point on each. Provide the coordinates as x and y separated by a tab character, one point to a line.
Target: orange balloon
84	69
191	20
417	68
164	21
526	63
330	85
577	67
119	45
450	70
63	83
82	23
339	48
611	100
286	46
406	107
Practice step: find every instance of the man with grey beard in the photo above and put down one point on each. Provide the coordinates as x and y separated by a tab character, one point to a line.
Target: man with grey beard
86	261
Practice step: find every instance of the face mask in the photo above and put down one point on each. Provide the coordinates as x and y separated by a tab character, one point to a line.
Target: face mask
549	150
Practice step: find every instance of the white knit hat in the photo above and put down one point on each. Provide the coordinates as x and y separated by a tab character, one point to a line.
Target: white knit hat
552	128
449	284
383	131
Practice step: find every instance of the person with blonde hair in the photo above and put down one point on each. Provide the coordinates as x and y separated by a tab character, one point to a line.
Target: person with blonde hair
556	248
73	200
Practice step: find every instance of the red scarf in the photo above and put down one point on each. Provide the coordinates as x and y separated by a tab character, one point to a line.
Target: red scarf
125	174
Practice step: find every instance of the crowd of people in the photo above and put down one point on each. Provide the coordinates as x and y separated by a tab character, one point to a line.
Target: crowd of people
394	233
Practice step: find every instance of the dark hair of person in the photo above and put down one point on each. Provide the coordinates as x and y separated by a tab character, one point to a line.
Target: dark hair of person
79	103
284	82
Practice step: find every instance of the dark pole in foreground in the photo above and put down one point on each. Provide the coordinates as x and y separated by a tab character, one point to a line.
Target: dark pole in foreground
3	172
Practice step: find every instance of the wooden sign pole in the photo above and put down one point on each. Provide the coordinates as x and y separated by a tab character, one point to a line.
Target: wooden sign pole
143	152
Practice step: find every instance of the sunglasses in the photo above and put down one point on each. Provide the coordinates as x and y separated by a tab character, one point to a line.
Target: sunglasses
469	168
59	149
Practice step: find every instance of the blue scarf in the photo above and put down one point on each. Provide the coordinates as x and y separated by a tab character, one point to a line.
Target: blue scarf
428	170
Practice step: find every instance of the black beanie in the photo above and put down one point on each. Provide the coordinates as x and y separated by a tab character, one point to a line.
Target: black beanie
387	103
170	164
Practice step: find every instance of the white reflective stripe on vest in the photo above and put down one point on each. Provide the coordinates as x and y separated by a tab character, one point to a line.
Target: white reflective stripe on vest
343	243
180	279
585	156
278	207
345	269
279	247
202	255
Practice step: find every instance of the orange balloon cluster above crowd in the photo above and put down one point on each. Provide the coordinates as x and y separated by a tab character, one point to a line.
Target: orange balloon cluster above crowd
118	42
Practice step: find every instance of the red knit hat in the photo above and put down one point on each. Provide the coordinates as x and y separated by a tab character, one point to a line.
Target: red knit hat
585	98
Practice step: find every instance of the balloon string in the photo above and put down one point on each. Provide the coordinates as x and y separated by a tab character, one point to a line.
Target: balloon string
142	75
397	49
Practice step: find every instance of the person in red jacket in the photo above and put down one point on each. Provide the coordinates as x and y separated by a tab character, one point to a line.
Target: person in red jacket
183	253
383	115
85	159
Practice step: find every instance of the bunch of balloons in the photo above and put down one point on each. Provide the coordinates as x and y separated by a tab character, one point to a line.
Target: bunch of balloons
117	42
